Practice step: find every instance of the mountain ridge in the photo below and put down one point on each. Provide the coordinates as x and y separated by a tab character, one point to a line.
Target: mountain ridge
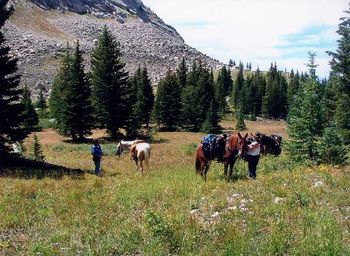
38	36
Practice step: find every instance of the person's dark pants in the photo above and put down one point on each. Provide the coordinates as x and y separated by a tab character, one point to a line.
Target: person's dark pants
97	161
252	164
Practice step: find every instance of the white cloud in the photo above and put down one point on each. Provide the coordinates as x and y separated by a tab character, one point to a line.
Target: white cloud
251	30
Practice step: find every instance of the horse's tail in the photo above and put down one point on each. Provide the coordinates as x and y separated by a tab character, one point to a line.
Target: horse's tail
147	157
198	165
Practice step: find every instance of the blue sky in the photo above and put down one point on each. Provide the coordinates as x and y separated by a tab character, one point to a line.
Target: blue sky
257	31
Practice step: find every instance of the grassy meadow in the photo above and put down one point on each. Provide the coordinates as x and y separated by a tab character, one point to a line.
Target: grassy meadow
288	210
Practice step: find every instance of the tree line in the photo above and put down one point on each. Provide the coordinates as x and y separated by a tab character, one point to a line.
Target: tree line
187	98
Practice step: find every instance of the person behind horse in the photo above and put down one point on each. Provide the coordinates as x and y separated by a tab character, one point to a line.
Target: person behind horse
97	154
253	156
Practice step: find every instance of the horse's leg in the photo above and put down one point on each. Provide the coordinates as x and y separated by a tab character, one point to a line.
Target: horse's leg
225	167
137	165
232	164
147	157
206	171
141	165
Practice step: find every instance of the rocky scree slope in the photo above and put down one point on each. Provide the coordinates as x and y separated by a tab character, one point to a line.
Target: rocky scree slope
39	30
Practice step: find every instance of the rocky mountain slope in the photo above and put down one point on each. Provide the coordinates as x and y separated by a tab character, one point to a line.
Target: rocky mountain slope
39	30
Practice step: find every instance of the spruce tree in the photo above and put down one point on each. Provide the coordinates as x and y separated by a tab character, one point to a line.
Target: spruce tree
182	73
142	100
167	107
237	86
110	86
80	121
58	99
340	64
211	123
205	85
190	108
70	99
220	93
135	121
305	123
240	124
293	87
37	150
331	148
41	104
30	116
11	108
312	65
231	63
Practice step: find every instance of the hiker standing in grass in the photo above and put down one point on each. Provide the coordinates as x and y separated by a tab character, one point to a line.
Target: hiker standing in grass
253	156
97	154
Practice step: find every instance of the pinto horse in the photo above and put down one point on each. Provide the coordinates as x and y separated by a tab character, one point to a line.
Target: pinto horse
124	146
235	145
269	144
140	152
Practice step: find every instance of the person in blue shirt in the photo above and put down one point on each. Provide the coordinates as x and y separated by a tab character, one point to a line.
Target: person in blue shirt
97	154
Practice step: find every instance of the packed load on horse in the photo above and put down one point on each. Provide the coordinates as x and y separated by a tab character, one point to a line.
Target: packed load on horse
214	146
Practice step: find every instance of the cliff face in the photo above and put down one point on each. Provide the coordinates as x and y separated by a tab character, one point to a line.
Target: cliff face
106	8
39	30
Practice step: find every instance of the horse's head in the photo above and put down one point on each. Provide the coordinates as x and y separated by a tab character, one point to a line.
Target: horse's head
242	145
119	149
275	148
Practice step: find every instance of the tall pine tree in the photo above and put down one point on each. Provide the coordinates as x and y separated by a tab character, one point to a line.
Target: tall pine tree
182	73
70	101
11	108
305	119
237	86
340	64
167	107
41	104
110	86
30	116
142	100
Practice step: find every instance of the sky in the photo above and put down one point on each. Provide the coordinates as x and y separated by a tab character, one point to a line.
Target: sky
257	31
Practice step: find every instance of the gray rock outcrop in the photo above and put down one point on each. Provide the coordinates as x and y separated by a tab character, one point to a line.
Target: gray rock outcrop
39	30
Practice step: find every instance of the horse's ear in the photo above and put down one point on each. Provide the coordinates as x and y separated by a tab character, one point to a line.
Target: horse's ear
246	136
239	135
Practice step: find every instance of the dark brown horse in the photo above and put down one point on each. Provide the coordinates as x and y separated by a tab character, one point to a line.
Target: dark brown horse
236	145
269	144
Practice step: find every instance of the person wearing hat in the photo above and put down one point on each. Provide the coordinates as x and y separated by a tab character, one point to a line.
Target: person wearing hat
97	154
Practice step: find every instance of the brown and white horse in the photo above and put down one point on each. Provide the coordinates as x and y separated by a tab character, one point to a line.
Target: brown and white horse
236	146
140	152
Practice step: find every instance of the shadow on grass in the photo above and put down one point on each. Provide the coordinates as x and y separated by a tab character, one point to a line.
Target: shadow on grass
18	167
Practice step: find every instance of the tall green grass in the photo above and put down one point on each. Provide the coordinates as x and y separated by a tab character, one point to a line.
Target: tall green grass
288	210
